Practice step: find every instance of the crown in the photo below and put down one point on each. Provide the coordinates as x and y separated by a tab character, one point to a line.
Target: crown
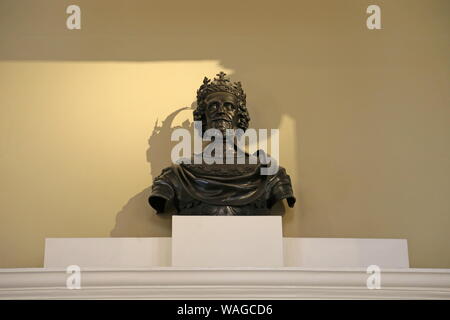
220	84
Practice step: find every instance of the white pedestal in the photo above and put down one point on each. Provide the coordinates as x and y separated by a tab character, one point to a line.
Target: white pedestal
157	252
227	241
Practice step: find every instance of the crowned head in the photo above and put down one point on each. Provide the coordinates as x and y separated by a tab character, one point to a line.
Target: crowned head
221	104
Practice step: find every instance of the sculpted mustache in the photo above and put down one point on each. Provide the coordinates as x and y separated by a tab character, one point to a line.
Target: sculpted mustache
221	117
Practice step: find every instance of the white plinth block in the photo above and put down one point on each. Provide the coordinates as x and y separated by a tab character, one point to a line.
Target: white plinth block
107	252
345	252
227	241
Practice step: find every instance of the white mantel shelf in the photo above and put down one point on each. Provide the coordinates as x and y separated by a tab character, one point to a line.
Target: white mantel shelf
224	283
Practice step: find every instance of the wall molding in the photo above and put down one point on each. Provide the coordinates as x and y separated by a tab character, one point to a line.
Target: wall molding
224	283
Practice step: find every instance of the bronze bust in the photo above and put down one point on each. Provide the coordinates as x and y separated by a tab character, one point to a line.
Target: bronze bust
192	187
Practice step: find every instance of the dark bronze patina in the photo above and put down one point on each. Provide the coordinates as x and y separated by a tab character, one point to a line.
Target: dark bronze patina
220	189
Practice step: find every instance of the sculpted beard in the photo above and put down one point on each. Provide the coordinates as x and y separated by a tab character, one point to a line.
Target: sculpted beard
222	124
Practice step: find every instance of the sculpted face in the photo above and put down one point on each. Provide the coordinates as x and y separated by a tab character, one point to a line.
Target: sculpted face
221	111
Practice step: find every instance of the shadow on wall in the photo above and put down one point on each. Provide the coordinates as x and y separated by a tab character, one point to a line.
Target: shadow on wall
137	218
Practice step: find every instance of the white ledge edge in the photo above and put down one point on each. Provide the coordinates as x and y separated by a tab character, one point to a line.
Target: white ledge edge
224	283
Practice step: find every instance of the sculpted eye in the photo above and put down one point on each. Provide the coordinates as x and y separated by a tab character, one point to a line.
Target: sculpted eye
229	105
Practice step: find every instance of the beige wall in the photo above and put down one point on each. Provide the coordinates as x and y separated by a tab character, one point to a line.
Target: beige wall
364	115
